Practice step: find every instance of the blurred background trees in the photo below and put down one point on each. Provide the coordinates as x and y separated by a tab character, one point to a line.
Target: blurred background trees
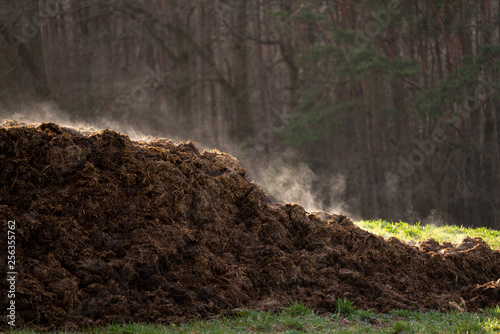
397	100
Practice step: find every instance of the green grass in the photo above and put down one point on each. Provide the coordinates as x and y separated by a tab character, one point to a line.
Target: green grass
417	232
297	318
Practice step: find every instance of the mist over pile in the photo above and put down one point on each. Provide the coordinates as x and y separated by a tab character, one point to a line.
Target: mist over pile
285	177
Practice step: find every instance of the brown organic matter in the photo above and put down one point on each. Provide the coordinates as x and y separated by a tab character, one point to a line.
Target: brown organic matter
110	229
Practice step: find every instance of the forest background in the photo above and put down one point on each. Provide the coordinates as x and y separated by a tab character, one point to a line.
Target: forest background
379	109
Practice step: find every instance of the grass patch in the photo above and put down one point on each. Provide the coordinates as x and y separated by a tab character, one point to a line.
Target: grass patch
417	232
344	306
297	318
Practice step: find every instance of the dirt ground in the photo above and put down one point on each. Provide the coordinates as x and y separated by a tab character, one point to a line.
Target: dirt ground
109	229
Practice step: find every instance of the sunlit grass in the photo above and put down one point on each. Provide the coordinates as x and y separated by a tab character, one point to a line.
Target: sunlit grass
297	318
418	232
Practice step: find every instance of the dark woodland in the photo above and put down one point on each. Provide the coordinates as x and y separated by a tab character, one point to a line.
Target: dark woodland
392	108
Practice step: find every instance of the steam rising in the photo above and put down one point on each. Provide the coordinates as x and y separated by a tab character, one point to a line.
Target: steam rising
284	178
42	112
291	181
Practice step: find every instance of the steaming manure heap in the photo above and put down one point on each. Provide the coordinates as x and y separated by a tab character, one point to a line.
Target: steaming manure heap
109	229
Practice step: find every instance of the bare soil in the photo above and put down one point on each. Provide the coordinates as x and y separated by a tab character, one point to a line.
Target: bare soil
110	229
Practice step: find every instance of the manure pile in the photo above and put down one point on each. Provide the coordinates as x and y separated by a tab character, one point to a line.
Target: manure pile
109	229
